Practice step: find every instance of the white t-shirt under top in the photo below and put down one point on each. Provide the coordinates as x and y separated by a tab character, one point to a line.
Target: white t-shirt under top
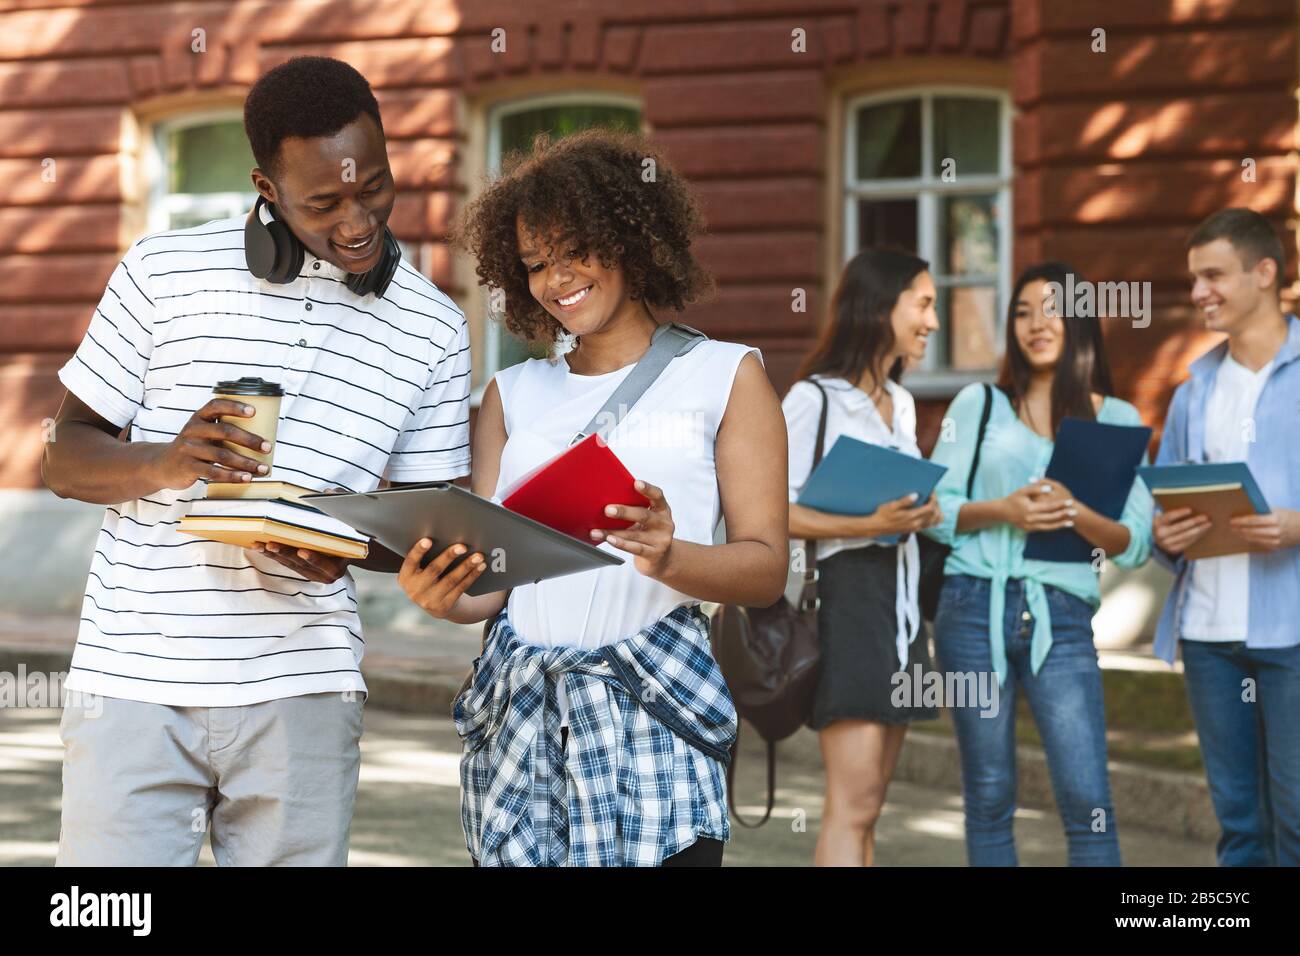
1217	608
666	438
850	411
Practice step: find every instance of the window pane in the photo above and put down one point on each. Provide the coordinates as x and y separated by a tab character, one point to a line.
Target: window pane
184	220
968	236
966	130
518	129
969	318
513	349
194	209
887	222
213	158
889	141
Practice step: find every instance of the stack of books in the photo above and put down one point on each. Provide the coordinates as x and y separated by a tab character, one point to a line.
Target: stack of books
266	509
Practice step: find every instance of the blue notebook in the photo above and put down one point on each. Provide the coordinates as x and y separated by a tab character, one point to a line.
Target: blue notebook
1098	463
1219	491
856	477
1207	477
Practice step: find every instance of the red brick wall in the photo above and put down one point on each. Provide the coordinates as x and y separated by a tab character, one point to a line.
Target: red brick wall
1117	155
741	114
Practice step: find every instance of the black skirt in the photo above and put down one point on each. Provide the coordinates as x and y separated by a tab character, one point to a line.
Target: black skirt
857	626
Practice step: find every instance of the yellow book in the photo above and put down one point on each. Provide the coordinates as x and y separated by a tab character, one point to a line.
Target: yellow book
243	522
1220	503
258	488
246	532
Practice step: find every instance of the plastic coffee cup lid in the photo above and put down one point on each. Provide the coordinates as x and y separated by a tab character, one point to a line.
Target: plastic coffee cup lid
249	386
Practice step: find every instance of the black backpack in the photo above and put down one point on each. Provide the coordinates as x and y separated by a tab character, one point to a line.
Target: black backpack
771	660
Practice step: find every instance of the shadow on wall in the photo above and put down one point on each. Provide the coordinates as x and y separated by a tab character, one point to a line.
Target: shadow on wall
46	544
1131	602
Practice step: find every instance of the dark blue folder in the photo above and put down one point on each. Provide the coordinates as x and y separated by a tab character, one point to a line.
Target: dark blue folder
1098	463
856	477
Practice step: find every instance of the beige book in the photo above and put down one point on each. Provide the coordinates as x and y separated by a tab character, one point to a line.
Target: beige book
258	488
246	532
1220	503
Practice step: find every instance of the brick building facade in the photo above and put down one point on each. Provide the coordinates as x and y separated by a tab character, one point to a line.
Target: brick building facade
809	126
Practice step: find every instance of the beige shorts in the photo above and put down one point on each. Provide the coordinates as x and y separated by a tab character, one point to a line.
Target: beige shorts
274	781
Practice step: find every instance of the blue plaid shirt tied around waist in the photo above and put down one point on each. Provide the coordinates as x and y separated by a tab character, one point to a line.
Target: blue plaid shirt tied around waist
651	725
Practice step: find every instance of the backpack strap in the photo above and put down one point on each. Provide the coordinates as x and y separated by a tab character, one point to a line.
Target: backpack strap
979	439
808	600
771	783
670	340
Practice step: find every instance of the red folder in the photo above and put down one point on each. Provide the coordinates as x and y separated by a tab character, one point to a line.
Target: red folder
569	493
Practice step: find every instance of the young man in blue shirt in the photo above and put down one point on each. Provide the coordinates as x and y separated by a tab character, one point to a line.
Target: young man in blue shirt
1237	617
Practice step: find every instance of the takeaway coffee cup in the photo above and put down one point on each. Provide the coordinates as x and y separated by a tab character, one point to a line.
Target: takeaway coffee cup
265	399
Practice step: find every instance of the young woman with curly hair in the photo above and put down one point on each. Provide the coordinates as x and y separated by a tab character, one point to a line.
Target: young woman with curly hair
597	724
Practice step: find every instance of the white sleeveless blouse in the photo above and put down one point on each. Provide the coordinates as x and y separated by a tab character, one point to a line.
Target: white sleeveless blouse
666	438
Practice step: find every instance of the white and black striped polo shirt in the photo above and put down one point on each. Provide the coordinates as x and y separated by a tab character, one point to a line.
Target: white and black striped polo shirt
373	387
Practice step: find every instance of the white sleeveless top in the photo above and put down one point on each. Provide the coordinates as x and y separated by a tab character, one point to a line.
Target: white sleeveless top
666	438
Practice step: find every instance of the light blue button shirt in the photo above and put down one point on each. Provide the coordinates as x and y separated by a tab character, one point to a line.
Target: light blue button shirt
1274	460
1012	455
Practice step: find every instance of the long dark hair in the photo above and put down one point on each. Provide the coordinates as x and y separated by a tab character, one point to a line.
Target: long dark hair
1082	368
859	331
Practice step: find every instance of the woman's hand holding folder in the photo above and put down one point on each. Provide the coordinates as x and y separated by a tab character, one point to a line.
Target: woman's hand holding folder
902	516
650	538
1040	506
433	587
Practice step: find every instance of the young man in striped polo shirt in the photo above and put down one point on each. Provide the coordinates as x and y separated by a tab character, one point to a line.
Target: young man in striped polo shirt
229	677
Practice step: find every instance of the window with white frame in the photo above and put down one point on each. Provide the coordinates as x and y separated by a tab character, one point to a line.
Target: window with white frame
930	170
198	170
512	126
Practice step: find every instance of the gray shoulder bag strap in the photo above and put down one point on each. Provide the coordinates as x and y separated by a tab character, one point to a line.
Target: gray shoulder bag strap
670	340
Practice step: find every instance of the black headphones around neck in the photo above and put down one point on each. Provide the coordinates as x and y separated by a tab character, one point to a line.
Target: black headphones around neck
275	254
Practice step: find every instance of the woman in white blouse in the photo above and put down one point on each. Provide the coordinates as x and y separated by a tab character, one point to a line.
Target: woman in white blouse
881	317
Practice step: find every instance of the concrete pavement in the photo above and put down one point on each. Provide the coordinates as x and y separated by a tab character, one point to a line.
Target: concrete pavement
407	806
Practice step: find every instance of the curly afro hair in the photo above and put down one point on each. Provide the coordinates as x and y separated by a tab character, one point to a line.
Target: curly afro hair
588	193
307	96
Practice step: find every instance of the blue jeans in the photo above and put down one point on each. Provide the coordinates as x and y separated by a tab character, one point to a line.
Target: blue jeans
1246	703
1065	697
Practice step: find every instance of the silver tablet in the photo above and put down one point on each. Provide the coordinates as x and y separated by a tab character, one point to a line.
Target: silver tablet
518	550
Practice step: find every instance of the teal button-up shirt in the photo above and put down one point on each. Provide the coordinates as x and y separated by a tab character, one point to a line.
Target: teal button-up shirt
1012	456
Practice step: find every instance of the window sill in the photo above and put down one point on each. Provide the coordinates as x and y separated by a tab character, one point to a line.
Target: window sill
943	385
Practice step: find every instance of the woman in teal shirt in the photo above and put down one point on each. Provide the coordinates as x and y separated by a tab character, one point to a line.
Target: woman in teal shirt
1029	622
